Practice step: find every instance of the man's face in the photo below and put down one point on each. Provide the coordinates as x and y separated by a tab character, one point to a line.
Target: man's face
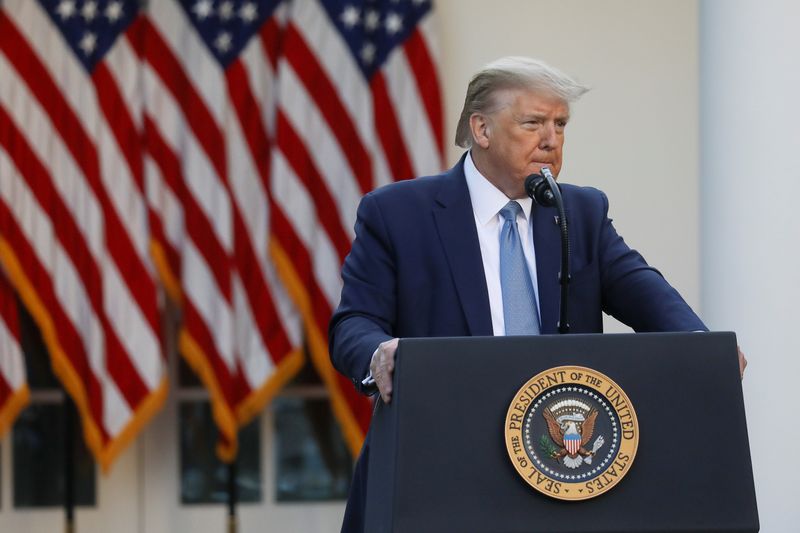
525	134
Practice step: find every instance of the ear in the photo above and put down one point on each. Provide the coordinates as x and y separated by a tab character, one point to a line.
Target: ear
480	126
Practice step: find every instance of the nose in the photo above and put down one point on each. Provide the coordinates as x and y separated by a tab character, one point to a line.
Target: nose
547	140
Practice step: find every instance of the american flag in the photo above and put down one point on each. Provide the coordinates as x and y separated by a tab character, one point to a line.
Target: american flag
209	85
358	107
14	392
73	216
220	146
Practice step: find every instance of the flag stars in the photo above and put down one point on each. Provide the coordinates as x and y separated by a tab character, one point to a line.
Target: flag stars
89	11
226	10
88	43
372	20
203	9
394	23
223	42
114	11
248	12
368	53
66	9
350	16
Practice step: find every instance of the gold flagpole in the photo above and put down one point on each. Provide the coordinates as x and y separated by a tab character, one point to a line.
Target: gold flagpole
69	466
232	497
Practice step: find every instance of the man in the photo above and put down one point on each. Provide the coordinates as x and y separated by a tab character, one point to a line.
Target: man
467	253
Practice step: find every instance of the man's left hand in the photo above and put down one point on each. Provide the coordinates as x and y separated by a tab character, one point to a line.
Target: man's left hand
742	362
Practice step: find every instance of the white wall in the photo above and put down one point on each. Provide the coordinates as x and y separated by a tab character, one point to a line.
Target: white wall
750	111
634	135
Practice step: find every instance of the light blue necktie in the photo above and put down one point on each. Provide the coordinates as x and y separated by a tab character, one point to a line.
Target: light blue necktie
520	312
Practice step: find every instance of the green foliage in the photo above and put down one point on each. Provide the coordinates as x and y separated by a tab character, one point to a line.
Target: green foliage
547	447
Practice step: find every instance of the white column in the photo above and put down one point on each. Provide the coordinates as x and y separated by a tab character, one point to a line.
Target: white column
750	201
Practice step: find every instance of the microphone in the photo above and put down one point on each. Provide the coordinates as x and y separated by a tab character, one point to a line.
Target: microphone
536	187
544	191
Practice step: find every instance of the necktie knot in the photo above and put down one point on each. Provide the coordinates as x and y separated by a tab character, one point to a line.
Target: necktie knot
510	211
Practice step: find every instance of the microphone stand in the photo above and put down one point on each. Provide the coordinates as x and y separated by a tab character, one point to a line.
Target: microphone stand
544	191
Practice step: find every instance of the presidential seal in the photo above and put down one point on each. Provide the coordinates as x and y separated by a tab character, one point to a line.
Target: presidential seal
571	433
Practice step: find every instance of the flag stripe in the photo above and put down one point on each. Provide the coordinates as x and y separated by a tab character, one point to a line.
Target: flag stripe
197	324
300	110
389	131
351	88
35	175
293	148
199	223
66	292
35	30
129	143
412	119
351	410
163	156
340	69
120	122
250	268
166	220
271	36
201	121
298	207
18	257
79	93
177	37
71	238
308	69
164	187
301	263
426	76
14	392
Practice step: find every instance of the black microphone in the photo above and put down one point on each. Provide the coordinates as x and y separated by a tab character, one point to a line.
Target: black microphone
546	193
536	187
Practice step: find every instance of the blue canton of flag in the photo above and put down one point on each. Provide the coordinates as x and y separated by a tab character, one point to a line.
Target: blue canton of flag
91	26
227	25
372	28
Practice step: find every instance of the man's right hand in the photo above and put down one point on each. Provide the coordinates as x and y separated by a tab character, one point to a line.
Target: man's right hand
382	367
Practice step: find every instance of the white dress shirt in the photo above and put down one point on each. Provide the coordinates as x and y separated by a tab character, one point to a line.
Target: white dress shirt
487	201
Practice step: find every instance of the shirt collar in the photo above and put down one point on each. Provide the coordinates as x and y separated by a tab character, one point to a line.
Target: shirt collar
488	200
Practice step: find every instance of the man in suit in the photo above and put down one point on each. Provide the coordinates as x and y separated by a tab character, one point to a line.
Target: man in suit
467	253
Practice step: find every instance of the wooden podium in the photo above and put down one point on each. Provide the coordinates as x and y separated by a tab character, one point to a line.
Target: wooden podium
439	463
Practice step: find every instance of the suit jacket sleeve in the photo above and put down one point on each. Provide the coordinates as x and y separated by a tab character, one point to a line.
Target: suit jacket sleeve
366	311
636	293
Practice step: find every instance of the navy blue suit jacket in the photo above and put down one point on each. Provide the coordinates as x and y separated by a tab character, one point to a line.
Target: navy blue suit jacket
415	270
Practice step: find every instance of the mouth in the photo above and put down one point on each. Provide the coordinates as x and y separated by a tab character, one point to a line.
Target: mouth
541	165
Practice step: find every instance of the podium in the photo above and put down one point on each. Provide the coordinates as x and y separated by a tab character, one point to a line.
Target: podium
439	460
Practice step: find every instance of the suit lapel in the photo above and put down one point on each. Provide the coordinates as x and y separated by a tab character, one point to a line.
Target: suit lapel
455	222
547	244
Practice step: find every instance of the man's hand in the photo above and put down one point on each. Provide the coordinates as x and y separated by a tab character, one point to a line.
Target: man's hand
382	366
742	362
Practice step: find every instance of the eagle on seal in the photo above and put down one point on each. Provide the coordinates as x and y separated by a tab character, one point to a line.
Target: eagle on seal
570	433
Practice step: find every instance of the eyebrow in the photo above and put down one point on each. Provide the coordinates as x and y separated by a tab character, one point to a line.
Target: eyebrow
540	116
